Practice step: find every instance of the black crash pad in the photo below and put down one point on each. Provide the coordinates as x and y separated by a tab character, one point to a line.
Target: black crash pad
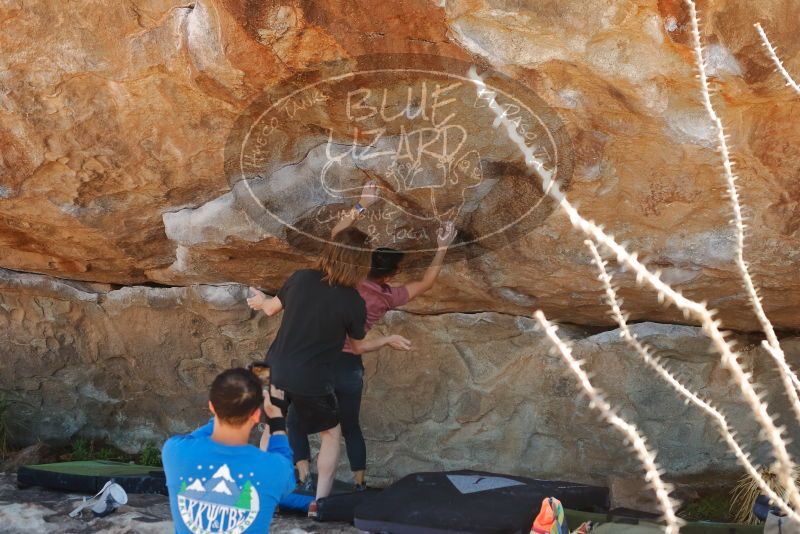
342	506
469	502
91	476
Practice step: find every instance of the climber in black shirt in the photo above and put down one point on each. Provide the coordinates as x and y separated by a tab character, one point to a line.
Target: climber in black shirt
321	308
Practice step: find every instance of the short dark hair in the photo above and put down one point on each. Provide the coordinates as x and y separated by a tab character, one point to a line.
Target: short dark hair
385	262
235	395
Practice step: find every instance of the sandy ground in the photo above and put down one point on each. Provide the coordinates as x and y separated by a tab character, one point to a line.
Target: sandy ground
36	510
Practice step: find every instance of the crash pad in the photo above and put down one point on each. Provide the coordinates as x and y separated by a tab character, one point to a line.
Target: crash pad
469	502
90	476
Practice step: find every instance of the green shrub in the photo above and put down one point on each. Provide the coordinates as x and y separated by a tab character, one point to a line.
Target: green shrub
150	455
709	508
108	453
82	449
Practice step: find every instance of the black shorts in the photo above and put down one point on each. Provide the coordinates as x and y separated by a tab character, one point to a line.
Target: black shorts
314	413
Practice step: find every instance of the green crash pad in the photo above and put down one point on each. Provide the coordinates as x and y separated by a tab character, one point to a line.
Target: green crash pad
619	524
91	476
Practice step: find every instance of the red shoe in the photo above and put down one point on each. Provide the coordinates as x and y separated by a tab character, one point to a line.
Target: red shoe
312	510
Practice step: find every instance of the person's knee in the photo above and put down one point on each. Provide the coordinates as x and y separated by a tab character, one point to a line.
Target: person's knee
331	433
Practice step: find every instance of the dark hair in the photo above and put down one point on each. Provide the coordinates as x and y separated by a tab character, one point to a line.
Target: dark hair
385	262
235	395
345	260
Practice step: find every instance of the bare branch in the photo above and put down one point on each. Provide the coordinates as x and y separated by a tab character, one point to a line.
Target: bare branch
785	465
609	415
644	352
775	350
690	308
780	359
775	59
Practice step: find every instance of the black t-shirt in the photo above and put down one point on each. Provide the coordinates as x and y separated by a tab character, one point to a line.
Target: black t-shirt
316	319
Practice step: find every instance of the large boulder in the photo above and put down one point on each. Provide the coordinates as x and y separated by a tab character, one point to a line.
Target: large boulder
156	154
478	391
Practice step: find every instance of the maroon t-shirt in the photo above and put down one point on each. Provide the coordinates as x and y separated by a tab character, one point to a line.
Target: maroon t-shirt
379	298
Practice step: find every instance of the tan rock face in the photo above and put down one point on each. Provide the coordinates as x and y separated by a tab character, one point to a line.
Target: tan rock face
478	391
114	121
198	144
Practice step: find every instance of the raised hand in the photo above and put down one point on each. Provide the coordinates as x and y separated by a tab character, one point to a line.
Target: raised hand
257	299
446	234
369	194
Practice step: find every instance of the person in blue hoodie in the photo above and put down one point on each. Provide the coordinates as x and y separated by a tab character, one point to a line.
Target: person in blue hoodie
219	483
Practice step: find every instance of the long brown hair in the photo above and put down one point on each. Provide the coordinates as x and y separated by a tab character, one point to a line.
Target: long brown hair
345	261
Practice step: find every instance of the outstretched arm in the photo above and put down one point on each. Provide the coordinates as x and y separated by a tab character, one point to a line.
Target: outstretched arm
369	194
260	301
445	236
368	345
